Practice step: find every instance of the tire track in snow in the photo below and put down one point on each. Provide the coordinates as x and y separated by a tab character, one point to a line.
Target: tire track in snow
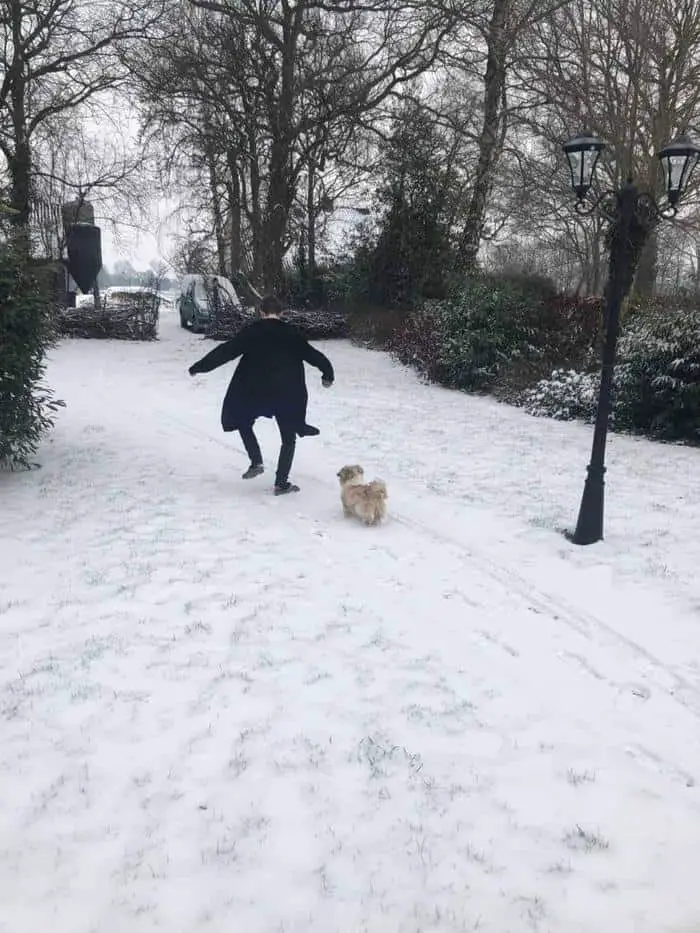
581	621
590	627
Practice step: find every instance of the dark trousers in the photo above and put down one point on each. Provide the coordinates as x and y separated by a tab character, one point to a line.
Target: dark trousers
289	440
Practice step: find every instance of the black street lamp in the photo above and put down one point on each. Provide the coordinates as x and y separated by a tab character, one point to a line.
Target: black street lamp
632	214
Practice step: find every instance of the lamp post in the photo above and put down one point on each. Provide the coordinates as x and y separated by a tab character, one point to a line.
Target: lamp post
632	214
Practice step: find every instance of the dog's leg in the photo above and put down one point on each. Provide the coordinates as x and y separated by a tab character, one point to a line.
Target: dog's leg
346	511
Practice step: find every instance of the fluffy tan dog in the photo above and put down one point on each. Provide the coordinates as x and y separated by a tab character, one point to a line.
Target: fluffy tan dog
366	501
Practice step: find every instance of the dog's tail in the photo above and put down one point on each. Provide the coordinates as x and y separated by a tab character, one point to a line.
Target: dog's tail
378	486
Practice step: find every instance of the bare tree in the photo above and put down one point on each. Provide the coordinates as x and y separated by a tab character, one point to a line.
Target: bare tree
72	164
191	254
282	89
56	55
628	70
492	37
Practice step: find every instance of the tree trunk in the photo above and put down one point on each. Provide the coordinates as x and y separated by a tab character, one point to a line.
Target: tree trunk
20	160
20	182
273	250
598	260
255	210
234	198
490	139
281	185
599	267
279	200
311	222
219	229
645	284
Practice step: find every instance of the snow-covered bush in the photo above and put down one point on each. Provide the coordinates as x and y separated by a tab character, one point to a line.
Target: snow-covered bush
567	395
658	379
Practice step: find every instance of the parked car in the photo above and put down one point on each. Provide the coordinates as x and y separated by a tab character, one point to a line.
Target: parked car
199	295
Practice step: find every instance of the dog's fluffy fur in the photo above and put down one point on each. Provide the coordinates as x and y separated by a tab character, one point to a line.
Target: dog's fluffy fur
366	501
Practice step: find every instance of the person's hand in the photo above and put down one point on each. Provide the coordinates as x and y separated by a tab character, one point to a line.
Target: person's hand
326	383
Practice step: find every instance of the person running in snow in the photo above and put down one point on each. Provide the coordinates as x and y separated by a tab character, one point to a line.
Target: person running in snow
269	382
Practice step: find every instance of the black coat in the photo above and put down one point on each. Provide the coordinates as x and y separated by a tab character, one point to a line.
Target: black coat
269	381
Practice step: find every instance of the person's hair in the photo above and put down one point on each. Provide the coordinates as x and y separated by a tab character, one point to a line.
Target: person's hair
270	305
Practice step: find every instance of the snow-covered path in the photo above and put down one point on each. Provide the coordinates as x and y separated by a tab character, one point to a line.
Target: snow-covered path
224	711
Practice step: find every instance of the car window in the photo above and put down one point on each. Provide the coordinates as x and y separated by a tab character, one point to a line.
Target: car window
200	292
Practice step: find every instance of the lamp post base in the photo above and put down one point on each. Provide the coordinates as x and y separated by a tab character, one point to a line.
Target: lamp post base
589	527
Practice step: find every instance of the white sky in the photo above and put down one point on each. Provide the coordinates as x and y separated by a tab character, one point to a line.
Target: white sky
141	247
145	240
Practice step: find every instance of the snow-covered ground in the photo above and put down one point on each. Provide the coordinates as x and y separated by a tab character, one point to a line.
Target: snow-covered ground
222	711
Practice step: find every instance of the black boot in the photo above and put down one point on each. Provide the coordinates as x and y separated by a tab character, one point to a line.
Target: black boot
285	488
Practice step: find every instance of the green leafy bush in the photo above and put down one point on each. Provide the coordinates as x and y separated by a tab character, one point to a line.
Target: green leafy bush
27	331
499	334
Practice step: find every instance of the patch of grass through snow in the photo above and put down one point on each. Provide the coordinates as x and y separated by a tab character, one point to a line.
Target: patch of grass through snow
581	840
580	777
